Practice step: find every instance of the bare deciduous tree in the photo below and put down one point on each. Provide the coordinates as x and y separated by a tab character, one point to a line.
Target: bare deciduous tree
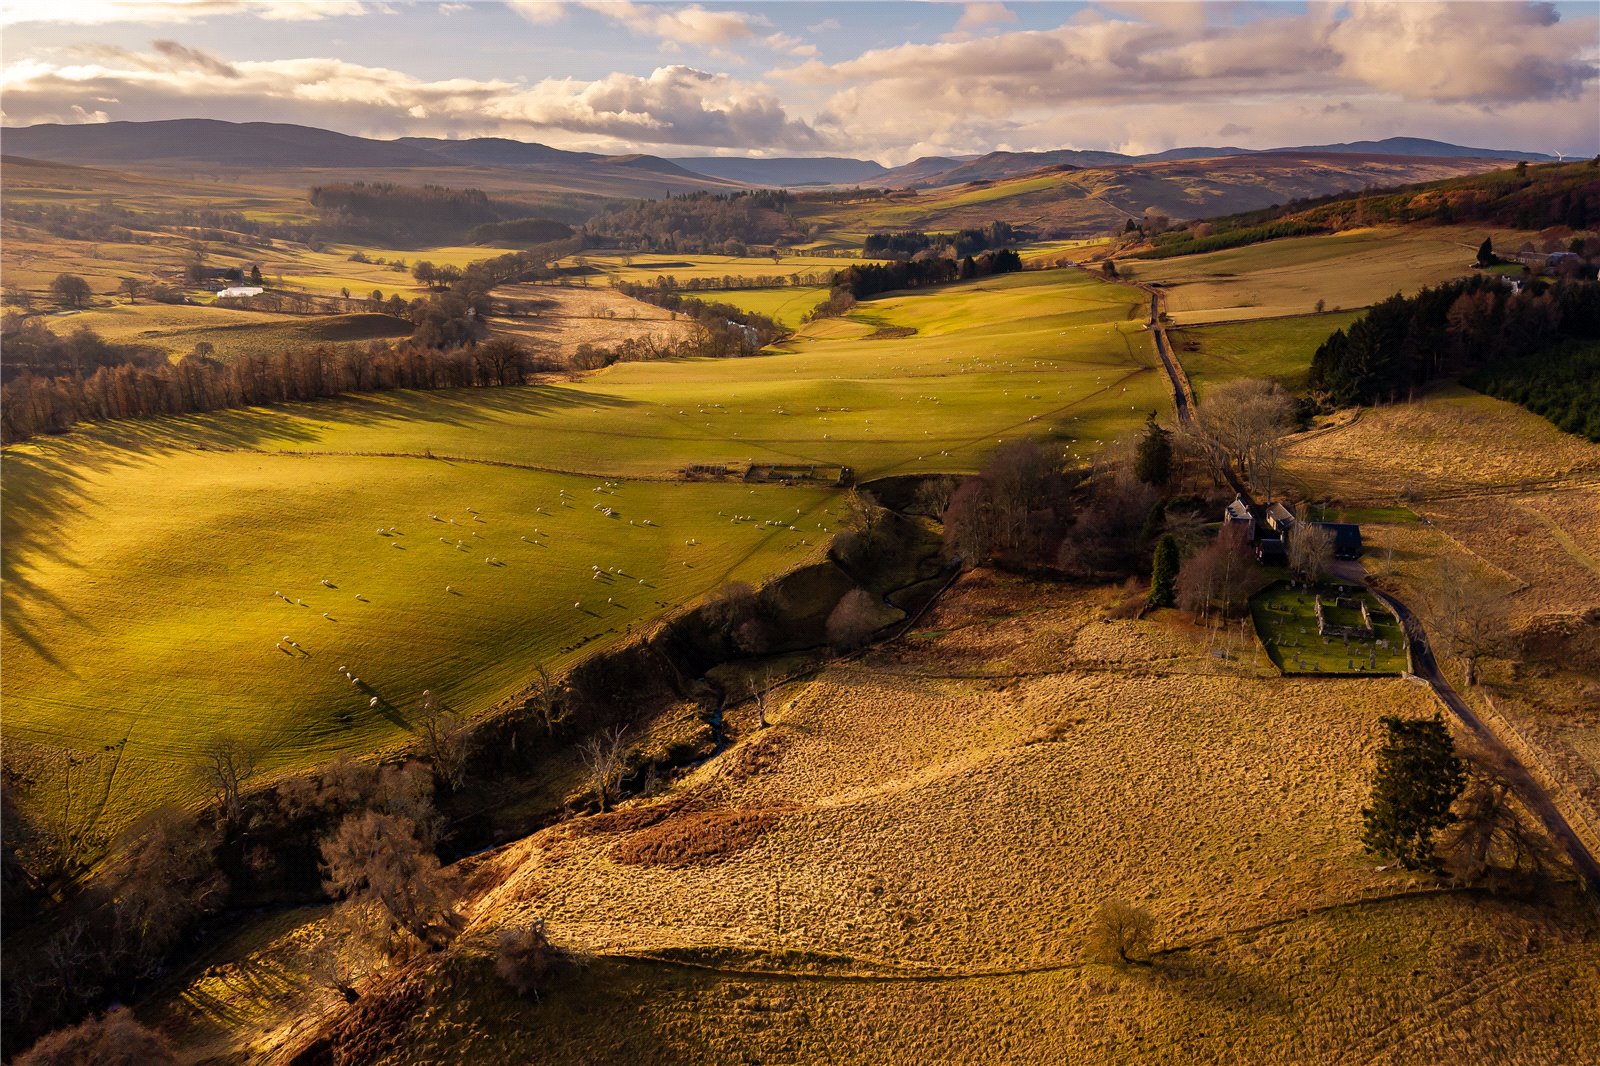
1246	420
1310	547
380	858
1491	834
604	760
447	739
226	763
1121	933
1217	576
1472	619
546	702
760	688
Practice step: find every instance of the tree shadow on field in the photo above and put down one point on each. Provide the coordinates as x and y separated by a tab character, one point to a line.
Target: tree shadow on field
1208	977
41	488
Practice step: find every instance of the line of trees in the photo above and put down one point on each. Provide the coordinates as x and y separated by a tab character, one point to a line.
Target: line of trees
733	282
753	331
404	213
962	243
1562	383
1404	342
717	223
869	279
32	405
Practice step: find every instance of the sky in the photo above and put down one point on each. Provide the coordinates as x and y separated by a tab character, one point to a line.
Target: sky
889	81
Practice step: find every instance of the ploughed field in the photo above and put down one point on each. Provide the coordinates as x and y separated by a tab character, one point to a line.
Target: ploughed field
155	571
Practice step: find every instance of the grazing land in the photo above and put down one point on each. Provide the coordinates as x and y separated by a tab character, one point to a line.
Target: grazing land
1276	348
853	918
187	629
1287	277
177	328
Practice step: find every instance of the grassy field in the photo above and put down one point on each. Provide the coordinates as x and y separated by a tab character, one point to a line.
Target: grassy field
177	328
1285	620
1287	277
161	543
645	268
1276	348
784	306
187	625
858	921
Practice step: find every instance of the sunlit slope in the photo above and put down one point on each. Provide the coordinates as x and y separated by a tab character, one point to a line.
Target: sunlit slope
143	558
1050	351
142	586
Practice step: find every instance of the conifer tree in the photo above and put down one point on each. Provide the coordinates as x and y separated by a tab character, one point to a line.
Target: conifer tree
1419	776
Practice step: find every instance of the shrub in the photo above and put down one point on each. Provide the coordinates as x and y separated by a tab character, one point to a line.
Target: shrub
524	957
113	1039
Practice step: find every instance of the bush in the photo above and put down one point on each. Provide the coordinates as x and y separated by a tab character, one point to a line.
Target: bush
114	1039
524	957
853	621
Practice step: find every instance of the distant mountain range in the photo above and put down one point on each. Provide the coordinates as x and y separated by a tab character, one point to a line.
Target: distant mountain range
180	142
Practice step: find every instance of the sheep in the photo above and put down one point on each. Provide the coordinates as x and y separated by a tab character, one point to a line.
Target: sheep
373	702
449	588
355	681
344	669
326	583
328	616
286	640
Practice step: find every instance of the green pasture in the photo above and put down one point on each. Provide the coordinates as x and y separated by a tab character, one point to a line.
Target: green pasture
1052	353
1285	620
785	306
142	557
141	573
1276	348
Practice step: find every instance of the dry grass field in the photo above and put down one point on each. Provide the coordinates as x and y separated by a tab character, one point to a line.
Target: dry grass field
1288	277
812	893
558	318
1512	505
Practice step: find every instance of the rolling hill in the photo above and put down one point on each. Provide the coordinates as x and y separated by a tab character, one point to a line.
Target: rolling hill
814	170
1093	200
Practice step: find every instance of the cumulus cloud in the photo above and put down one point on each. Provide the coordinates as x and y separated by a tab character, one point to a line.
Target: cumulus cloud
1107	66
538	12
793	46
692	25
673	105
99	12
976	15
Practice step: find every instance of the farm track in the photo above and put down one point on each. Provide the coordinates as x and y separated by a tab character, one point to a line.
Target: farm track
887	971
1522	779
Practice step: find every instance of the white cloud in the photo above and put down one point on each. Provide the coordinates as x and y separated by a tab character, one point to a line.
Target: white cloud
538	12
673	105
692	25
793	46
823	26
453	9
983	14
98	12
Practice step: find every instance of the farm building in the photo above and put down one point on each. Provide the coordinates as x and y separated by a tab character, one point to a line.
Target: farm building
1279	519
1238	515
1271	551
237	291
1346	539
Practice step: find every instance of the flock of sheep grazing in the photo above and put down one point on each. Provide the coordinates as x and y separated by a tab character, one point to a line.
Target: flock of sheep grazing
608	575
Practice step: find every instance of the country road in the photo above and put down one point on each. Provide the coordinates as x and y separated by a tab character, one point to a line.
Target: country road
1423	663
